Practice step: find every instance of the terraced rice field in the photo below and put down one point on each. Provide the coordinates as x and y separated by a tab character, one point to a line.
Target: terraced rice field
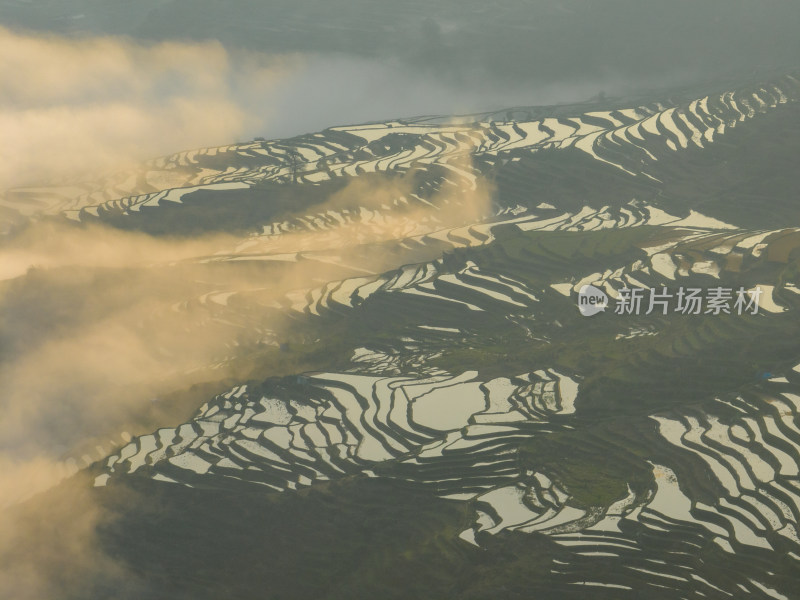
433	365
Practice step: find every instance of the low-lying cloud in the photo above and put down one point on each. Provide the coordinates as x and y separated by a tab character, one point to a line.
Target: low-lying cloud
74	107
98	325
